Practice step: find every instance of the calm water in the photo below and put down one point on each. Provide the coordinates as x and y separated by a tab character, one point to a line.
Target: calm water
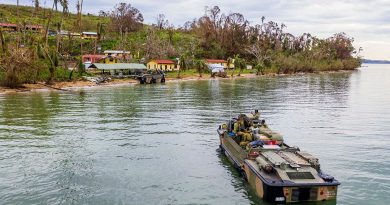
157	144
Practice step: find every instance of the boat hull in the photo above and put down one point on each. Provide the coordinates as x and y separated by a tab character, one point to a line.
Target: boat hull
276	192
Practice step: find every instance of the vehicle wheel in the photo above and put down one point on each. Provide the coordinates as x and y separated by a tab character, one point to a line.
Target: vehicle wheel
221	149
244	175
163	80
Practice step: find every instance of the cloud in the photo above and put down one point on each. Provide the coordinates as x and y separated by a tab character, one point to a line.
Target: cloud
364	20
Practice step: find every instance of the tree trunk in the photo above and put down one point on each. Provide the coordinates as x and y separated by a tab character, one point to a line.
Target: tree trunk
178	73
3	44
80	10
17	8
59	37
239	72
47	25
200	72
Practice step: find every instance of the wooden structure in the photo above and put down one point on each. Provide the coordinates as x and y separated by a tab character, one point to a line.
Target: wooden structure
120	69
14	27
88	35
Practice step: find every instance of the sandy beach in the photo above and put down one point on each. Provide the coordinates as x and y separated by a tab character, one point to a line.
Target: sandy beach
74	85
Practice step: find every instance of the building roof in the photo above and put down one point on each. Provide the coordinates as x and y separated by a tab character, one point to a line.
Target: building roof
118	66
8	25
89	33
34	26
93	56
117	51
15	25
163	61
215	61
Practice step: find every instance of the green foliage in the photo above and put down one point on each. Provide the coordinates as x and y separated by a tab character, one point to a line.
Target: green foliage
81	68
239	63
260	68
39	17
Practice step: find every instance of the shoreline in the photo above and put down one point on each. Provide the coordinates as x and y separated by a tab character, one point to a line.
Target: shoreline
82	84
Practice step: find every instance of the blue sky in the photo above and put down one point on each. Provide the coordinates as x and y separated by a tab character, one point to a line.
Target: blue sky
367	21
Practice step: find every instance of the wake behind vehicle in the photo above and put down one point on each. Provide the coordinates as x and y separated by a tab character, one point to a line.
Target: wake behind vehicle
276	171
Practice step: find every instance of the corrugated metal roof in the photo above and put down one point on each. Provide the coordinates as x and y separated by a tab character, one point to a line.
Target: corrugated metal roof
89	33
215	61
118	66
15	25
8	25
116	51
163	61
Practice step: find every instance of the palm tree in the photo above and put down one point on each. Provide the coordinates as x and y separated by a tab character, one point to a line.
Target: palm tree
3	43
65	10
17	8
182	64
231	61
79	15
200	66
36	5
100	31
48	22
239	63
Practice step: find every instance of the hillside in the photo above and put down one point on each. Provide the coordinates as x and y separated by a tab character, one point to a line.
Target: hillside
214	35
28	15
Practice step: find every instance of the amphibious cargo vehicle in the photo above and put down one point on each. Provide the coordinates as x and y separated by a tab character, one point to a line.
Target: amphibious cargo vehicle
276	171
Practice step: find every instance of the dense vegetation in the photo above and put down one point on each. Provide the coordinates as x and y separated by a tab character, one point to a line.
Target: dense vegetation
30	57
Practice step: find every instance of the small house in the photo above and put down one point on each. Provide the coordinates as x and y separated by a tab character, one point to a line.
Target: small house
15	27
67	33
109	59
35	28
88	35
9	27
89	59
92	58
165	65
119	54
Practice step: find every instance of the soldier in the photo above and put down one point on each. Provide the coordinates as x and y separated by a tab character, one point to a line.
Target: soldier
241	131
256	115
262	124
238	125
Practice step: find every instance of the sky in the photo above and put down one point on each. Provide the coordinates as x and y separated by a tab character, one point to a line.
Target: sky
367	21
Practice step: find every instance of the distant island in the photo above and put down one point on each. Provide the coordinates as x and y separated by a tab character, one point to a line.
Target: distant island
368	61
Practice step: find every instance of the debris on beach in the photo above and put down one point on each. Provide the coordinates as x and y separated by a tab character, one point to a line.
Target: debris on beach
98	80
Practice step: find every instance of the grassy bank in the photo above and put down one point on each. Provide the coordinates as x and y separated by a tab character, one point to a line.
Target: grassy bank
29	15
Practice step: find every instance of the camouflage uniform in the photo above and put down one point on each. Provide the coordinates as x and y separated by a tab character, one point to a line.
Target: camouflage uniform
256	115
239	129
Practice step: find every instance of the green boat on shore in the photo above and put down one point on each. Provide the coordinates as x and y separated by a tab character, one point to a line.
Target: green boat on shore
276	171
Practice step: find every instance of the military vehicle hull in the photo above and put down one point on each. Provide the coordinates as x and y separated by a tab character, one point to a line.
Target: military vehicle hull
302	182
151	78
